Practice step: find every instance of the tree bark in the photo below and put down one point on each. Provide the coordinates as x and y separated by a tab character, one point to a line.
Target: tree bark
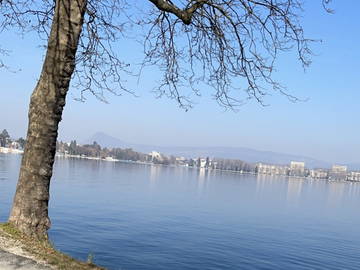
29	213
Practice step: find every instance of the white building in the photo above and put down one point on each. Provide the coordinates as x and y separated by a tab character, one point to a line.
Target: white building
338	172
319	174
271	169
297	168
353	176
155	155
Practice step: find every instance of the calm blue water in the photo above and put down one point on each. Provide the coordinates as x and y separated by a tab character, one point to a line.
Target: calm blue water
133	216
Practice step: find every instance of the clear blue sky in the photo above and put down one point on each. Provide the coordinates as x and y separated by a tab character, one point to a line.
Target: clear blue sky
325	127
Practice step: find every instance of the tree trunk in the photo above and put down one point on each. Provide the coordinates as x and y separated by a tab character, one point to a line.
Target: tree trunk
29	213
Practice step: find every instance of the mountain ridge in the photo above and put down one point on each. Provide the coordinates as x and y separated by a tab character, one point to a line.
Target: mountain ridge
241	153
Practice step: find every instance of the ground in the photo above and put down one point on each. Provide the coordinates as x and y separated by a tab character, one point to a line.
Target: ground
13	255
10	261
20	252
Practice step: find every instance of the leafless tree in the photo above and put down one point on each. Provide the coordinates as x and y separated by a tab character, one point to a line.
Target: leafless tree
229	45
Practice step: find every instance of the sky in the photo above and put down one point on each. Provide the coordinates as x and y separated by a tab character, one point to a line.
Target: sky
325	127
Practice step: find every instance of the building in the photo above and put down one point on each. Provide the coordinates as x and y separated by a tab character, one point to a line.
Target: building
180	160
15	145
203	162
156	156
338	172
353	176
297	168
271	169
319	174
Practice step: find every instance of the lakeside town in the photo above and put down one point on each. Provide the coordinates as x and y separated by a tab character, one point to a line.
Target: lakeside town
97	152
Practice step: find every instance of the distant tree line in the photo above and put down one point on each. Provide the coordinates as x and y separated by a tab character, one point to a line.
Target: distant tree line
7	141
233	165
95	150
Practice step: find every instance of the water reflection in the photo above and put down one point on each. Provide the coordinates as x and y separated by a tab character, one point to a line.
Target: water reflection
335	193
294	188
353	189
202	176
154	175
260	183
266	184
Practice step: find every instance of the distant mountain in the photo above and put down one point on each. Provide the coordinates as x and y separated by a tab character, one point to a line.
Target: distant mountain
106	140
245	154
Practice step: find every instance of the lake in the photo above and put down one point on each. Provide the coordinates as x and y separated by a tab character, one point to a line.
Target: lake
133	216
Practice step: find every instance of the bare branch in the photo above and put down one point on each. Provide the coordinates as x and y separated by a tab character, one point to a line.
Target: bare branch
98	68
230	46
326	4
183	14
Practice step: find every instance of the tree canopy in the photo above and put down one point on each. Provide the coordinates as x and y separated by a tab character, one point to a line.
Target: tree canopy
230	46
4	137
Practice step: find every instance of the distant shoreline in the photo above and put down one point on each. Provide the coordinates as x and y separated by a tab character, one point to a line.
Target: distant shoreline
5	150
60	155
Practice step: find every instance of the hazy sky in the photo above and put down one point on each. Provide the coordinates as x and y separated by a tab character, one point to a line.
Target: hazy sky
325	127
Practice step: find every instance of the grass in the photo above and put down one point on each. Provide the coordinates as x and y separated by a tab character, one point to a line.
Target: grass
44	251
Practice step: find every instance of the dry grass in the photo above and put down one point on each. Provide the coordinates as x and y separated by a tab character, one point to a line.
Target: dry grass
43	251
